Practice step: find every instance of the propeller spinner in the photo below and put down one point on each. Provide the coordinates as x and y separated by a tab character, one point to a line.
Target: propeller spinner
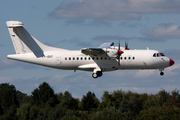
119	52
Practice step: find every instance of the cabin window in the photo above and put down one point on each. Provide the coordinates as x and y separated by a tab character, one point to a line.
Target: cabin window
89	58
77	58
101	58
85	58
121	58
133	58
105	58
125	58
81	58
129	58
93	58
73	58
65	58
69	58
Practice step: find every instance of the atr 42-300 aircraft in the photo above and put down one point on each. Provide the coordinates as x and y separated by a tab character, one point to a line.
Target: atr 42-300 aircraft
104	58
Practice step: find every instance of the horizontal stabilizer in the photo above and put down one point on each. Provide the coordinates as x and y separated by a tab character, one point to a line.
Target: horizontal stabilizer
106	45
12	24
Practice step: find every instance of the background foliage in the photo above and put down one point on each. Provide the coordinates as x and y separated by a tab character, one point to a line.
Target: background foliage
44	104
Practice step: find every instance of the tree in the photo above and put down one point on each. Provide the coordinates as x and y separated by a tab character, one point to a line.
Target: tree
106	100
34	112
67	101
109	113
159	113
23	111
23	98
44	94
175	99
89	101
117	97
7	96
134	104
163	97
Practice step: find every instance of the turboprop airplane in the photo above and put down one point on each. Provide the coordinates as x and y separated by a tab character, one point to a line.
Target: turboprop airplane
106	57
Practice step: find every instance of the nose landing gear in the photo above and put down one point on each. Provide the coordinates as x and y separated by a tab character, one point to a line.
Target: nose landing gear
161	73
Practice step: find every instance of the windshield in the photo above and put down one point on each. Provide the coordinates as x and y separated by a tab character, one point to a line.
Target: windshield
158	54
162	54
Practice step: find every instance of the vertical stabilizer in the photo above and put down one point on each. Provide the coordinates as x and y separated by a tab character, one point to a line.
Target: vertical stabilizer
19	46
23	42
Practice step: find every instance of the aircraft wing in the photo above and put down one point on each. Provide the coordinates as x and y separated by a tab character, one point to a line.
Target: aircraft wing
97	51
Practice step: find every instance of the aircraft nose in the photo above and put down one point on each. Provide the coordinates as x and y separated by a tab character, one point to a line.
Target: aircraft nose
171	62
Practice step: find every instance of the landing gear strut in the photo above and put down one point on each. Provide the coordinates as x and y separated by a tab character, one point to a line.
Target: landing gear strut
97	74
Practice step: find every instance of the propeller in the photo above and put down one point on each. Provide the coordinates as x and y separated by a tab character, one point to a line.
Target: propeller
126	46
119	52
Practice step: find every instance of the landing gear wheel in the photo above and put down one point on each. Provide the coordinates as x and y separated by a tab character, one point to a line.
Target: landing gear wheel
161	73
94	75
99	73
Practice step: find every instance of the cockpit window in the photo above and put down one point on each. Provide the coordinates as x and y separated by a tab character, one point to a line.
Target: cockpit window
154	55
162	54
158	54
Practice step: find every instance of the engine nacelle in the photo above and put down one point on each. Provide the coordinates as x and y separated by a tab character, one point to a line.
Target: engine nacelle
111	52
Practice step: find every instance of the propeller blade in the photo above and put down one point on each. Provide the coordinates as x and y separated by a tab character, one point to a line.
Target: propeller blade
119	52
119	46
126	46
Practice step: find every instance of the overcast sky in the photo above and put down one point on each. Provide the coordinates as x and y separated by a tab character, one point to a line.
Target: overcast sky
76	24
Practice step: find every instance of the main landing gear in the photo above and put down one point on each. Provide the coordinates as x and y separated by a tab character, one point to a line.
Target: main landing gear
97	74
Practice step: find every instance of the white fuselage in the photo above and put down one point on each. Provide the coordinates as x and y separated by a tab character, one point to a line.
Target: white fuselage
104	58
75	60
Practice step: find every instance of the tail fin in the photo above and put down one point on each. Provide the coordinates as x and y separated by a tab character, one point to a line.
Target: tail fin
23	42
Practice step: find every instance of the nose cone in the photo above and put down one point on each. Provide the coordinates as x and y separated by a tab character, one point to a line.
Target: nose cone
171	62
120	52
